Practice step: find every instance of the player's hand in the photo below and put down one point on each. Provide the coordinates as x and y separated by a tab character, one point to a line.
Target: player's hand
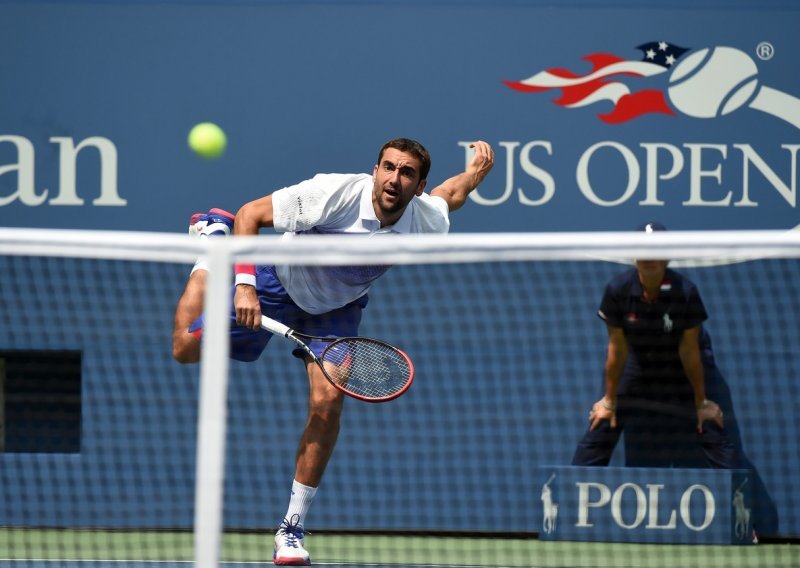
482	161
602	410
247	306
709	411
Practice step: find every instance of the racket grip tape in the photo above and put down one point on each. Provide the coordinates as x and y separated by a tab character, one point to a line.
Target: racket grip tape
275	327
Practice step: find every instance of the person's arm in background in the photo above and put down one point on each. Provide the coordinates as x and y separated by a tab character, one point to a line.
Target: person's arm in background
616	356
689	351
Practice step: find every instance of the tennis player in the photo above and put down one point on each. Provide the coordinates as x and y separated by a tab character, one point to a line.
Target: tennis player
658	363
320	301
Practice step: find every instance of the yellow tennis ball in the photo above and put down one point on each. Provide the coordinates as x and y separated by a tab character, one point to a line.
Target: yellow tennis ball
207	140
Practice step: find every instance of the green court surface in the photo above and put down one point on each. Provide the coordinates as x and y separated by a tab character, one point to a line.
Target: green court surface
60	547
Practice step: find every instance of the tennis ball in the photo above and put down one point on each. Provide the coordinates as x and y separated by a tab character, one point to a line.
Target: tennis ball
207	140
713	82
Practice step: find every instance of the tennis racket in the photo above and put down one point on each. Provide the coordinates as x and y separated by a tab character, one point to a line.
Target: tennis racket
364	368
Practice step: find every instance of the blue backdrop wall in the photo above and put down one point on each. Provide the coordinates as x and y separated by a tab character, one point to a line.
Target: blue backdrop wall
602	114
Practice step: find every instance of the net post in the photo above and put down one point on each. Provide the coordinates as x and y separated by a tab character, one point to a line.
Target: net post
212	415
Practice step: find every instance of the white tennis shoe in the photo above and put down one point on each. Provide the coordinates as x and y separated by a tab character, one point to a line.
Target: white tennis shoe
289	549
215	223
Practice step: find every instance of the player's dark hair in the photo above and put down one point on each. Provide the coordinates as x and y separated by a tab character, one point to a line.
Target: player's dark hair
415	149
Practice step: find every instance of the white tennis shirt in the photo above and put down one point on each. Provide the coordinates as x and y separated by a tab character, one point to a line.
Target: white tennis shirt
342	204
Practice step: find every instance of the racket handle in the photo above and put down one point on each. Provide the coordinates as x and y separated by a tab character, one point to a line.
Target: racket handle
275	327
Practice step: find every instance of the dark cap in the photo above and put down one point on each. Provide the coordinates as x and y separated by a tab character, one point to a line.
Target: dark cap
651	226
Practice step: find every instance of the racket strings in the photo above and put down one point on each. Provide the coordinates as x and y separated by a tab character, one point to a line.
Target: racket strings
367	367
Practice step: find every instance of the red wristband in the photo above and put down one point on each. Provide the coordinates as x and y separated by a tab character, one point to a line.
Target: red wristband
244	269
245	274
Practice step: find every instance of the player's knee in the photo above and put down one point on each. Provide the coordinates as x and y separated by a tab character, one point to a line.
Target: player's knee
183	357
327	405
185	350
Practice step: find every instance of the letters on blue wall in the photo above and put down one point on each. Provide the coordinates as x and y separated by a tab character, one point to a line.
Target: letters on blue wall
600	116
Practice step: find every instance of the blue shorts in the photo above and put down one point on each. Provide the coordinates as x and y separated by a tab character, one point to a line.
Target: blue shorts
248	344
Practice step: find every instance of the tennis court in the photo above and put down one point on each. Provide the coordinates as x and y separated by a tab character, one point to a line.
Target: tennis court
21	548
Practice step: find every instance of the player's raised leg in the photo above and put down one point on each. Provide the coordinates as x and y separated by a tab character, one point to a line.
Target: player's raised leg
185	344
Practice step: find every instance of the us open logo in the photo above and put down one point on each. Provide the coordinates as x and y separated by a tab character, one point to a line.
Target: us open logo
706	83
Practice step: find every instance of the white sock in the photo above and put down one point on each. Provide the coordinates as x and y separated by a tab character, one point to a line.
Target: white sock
200	264
299	503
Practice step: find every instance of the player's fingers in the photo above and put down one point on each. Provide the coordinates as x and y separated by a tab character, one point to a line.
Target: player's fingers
483	159
247	317
482	149
489	152
257	320
253	318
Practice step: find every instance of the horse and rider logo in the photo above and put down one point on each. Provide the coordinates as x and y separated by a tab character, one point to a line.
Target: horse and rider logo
741	513
549	508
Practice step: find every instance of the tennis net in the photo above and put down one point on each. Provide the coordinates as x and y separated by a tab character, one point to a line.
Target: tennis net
110	450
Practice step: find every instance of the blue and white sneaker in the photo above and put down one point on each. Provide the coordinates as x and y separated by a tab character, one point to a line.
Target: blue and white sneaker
215	223
289	549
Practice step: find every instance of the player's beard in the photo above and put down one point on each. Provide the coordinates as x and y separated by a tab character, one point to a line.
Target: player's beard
393	202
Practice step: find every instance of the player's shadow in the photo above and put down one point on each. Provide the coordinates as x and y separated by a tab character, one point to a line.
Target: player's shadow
765	513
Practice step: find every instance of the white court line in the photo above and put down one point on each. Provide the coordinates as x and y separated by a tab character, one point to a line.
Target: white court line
46	561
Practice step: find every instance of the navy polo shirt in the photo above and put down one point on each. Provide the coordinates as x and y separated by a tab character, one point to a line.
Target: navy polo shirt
653	329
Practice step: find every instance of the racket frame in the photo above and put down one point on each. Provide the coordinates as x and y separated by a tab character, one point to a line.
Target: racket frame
277	328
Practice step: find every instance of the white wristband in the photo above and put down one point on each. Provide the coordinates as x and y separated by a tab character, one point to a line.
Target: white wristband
249	279
609	405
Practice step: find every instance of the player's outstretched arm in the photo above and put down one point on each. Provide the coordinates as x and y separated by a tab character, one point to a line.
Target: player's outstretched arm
689	351
456	189
250	218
